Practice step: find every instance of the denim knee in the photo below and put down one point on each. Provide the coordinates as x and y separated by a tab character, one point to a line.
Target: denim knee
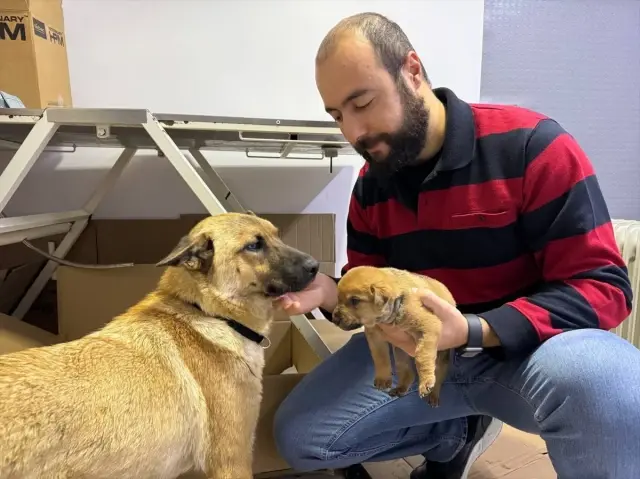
590	372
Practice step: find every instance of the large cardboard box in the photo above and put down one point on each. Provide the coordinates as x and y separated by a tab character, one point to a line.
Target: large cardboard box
33	53
16	335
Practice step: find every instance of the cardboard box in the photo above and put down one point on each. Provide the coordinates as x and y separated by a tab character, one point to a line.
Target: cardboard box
33	49
16	335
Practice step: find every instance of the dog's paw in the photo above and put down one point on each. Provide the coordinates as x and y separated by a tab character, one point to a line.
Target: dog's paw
426	385
398	391
424	390
434	399
382	383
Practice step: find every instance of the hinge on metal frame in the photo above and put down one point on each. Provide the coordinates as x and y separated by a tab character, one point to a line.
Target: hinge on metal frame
330	152
103	131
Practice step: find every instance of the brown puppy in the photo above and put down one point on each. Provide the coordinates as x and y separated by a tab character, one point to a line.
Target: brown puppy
368	296
173	384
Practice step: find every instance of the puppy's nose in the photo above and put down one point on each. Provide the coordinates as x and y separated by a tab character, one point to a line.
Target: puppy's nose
311	267
336	317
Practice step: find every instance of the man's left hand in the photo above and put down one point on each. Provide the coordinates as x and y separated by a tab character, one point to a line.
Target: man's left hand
455	328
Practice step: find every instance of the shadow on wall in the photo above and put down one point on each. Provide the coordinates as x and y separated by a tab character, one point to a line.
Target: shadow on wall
151	188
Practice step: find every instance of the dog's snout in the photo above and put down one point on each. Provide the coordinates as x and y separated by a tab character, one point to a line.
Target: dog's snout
336	317
311	267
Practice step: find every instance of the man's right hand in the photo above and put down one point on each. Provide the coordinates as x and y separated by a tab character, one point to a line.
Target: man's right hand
321	293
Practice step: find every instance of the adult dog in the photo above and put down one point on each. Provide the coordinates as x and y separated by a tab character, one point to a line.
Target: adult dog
173	384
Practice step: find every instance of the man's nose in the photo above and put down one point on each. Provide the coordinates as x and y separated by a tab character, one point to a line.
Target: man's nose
353	130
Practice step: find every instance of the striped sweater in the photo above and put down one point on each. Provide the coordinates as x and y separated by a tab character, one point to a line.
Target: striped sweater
510	217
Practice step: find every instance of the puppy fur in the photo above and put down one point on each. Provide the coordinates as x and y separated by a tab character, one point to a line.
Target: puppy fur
368	296
167	387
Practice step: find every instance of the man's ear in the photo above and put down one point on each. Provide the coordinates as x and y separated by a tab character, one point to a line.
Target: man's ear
193	254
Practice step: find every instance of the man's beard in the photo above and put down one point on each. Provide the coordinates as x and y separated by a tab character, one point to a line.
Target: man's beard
405	144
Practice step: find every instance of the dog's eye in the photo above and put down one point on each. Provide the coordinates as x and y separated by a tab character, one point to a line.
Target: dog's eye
257	245
354	301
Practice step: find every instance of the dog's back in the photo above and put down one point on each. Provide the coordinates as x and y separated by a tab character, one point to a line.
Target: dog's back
405	281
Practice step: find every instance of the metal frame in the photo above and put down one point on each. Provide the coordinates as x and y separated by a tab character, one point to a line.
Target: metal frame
30	132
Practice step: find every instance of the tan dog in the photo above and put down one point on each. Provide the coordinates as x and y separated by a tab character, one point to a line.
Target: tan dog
173	384
368	296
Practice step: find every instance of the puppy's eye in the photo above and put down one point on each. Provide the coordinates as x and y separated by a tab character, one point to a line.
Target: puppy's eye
257	245
353	301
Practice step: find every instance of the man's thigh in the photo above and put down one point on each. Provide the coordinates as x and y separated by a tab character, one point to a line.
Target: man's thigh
336	411
586	369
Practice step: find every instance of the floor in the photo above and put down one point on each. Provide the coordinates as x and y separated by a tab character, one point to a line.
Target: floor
399	469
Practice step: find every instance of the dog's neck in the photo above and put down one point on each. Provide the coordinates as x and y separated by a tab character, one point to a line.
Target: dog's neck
256	316
238	327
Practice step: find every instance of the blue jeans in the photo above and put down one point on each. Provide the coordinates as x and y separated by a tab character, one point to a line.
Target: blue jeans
580	391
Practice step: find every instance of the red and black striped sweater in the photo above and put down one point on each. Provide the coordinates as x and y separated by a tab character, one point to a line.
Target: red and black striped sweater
510	217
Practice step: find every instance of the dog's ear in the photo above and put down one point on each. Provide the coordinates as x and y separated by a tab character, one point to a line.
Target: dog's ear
193	254
388	305
380	296
397	304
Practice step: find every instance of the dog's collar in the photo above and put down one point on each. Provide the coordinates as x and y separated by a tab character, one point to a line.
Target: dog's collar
241	329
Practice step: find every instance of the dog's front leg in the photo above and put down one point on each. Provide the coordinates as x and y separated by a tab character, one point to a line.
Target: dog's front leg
381	360
404	371
237	467
442	367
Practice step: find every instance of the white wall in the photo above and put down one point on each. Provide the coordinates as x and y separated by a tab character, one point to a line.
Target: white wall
250	58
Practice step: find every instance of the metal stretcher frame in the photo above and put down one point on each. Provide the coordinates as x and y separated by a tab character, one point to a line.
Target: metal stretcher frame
30	132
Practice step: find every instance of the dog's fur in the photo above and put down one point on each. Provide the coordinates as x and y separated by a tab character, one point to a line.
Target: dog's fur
368	296
166	387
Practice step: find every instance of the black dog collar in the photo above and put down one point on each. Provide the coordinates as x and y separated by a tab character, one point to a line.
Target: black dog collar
241	329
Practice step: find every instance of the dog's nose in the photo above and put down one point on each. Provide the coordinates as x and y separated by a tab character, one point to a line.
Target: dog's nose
335	317
311	267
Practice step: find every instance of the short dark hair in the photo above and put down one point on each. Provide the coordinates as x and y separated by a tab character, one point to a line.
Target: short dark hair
386	37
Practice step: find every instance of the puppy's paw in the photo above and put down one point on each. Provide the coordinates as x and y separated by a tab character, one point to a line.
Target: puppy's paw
398	391
426	385
434	399
424	390
382	383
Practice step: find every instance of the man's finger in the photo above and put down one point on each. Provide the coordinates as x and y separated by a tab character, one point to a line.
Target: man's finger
435	303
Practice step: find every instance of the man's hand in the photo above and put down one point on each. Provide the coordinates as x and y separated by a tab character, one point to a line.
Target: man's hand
322	292
455	328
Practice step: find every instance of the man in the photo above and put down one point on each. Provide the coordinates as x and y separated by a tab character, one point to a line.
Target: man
501	205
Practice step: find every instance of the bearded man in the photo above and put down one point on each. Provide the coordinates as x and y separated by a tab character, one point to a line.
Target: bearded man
502	205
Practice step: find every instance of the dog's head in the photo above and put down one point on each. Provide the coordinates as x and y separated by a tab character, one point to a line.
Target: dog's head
366	298
238	257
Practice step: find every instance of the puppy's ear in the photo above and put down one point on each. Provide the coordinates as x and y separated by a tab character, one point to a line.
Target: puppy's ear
380	297
397	304
193	254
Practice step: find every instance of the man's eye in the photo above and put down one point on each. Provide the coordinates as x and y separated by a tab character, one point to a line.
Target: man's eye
362	107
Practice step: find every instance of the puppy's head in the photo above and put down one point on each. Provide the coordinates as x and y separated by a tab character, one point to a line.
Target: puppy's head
366	298
238	256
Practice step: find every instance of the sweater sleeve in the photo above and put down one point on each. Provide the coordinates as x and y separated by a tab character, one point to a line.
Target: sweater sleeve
566	224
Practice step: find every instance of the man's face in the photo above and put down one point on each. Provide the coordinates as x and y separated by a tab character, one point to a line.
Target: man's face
384	120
